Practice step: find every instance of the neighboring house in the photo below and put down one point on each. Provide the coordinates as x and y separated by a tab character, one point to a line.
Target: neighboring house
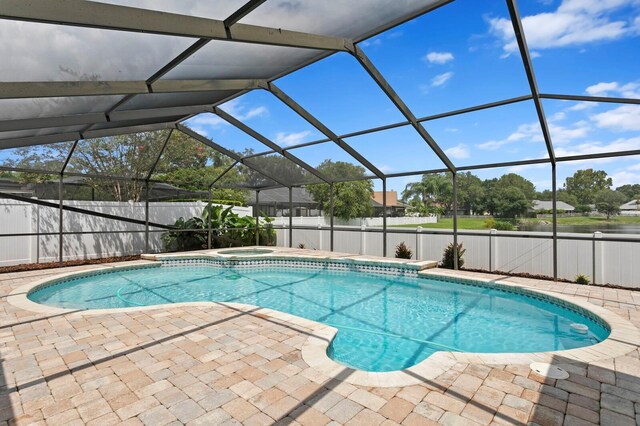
548	205
275	202
632	208
395	208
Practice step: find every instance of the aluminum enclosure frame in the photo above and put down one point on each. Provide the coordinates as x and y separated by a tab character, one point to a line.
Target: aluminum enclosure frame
123	18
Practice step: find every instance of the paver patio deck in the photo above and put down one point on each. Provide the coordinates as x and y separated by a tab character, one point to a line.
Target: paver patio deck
217	364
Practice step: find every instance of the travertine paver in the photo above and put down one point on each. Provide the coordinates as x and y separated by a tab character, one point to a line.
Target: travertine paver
215	364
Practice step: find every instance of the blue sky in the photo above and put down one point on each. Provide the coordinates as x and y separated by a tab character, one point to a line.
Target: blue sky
461	55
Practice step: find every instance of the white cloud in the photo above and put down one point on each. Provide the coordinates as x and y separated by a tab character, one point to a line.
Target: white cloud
573	23
204	123
458	152
439	57
529	131
562	134
290	139
594	147
241	111
441	79
601	89
624	178
628	90
634	167
623	118
581	106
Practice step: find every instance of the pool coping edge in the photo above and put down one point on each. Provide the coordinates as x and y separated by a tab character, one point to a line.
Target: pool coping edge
623	338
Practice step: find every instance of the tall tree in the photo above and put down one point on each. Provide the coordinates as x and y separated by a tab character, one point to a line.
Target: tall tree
630	191
434	191
513	180
608	202
584	184
351	199
470	192
511	202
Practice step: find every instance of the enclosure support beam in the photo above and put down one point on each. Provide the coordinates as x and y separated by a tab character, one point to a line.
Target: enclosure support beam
290	217
146	217
155	163
123	18
306	115
222	175
254	134
554	191
257	218
331	226
60	218
61	199
384	217
455	221
399	103
528	67
46	89
197	136
209	230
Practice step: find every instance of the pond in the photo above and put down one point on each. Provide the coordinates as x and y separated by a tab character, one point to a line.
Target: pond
607	228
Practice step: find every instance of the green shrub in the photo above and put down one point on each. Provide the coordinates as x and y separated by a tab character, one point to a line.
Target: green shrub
490	223
403	252
447	257
227	230
583	208
503	225
582	279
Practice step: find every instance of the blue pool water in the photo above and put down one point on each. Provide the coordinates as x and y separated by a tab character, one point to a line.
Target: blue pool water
385	322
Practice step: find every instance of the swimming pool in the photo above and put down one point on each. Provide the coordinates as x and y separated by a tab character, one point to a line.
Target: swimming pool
387	320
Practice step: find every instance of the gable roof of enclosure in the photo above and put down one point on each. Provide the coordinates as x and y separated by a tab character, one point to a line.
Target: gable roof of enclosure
136	71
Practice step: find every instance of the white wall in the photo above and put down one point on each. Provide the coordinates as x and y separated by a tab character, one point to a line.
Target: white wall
19	217
615	262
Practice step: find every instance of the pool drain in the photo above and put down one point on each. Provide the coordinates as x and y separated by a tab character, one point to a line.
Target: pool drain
547	370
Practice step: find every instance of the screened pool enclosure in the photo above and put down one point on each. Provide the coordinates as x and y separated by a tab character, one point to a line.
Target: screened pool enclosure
178	75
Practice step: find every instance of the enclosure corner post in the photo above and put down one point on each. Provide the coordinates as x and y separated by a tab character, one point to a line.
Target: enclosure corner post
209	230
146	216
384	217
554	207
455	221
290	217
60	219
331	216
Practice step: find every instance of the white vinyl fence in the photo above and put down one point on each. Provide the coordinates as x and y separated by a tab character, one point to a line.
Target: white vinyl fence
605	262
100	237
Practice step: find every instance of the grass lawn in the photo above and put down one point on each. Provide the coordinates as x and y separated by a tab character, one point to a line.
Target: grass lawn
478	222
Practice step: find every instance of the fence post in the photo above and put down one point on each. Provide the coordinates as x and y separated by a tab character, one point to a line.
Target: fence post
319	237
363	239
493	250
418	242
598	261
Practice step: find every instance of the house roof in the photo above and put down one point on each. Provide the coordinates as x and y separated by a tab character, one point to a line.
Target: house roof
281	196
631	205
548	205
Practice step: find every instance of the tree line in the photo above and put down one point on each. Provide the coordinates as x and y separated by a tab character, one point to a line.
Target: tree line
511	195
